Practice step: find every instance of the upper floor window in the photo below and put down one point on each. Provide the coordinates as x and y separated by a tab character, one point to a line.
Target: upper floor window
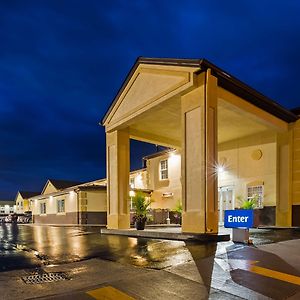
163	169
61	206
256	191
131	182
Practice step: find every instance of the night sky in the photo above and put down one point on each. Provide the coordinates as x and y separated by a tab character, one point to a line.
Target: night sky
62	62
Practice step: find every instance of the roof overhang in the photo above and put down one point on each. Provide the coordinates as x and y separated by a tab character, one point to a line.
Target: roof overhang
225	80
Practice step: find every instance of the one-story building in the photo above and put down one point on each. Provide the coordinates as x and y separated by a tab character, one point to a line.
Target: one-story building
68	202
7	207
233	141
22	203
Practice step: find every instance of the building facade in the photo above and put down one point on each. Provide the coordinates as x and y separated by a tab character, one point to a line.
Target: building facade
234	143
23	205
7	207
65	202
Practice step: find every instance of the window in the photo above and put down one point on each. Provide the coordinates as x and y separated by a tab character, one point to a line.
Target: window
163	169
61	206
258	191
2	209
43	208
131	182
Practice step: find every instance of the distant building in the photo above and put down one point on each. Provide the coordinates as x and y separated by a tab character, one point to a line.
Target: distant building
7	207
22	203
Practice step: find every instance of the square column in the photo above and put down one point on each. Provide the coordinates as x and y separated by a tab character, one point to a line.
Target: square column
199	157
284	186
118	167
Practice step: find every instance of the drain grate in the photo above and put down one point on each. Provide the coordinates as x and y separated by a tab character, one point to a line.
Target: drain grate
43	277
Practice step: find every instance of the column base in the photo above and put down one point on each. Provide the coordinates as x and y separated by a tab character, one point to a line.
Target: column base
118	221
193	222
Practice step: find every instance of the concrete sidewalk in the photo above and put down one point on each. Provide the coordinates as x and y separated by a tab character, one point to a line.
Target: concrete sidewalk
168	233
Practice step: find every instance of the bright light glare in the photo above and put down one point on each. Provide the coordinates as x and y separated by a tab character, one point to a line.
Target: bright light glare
131	193
220	169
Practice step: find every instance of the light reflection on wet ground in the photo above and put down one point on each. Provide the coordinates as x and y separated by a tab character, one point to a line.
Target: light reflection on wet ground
268	236
28	246
23	246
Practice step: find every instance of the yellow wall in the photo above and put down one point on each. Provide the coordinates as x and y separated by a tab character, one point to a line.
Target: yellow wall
19	202
241	166
172	184
93	201
140	179
50	188
296	164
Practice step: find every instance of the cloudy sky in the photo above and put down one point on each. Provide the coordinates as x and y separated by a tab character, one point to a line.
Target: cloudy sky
62	62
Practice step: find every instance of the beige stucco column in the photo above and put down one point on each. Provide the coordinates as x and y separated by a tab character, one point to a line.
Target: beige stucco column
199	156
118	165
284	171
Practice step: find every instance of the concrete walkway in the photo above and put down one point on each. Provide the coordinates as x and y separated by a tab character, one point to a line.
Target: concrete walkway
168	233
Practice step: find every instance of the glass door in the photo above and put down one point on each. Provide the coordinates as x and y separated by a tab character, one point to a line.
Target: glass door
225	201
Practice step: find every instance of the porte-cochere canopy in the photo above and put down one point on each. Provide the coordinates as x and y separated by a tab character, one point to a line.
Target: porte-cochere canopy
193	106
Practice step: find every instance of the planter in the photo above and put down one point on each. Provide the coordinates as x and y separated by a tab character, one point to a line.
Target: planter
140	224
256	221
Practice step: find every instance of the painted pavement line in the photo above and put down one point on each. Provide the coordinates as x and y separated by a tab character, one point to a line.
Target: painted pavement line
250	266
109	293
275	274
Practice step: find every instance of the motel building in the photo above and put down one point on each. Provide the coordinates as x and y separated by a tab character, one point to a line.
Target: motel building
7	207
230	142
68	202
23	205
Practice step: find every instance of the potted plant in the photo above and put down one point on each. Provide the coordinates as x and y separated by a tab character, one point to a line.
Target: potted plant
141	204
178	212
251	203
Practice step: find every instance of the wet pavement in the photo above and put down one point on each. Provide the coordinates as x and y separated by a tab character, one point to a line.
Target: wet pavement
95	263
24	246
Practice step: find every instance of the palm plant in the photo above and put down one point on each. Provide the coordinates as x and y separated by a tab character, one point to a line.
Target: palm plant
141	204
250	203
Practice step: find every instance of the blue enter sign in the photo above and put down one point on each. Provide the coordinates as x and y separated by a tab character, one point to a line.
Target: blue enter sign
241	218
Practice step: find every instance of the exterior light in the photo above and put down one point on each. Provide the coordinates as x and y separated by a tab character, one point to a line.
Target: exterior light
131	193
174	158
220	169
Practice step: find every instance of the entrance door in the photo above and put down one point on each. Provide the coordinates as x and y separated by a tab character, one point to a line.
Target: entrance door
225	201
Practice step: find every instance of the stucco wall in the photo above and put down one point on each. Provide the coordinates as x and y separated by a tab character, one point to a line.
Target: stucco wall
19	201
172	184
50	188
242	166
296	164
95	202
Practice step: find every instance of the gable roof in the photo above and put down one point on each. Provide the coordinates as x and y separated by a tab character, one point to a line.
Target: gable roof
26	194
60	184
225	80
63	184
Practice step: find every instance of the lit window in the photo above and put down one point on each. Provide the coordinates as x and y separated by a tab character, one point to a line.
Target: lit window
61	206
131	182
43	208
163	169
256	191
